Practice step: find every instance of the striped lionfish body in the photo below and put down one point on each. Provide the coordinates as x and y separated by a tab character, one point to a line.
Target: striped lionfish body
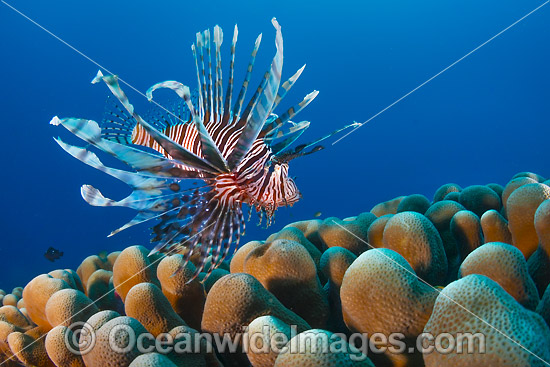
239	153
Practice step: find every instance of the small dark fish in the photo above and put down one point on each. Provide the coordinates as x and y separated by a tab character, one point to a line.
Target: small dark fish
53	254
317	215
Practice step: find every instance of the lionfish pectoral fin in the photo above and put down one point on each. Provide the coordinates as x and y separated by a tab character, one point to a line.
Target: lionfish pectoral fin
134	180
171	147
285	139
141	217
301	150
90	132
266	96
209	148
150	196
276	125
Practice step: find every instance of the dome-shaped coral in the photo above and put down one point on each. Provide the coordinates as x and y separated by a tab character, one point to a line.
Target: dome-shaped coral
186	296
387	207
479	199
495	227
466	229
505	265
521	208
286	269
477	306
414	203
381	294
132	267
415	238
320	348
351	234
444	190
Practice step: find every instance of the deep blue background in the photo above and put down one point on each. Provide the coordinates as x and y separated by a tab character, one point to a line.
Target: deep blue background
480	122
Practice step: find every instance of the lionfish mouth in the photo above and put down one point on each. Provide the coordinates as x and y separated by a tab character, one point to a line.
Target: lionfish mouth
240	155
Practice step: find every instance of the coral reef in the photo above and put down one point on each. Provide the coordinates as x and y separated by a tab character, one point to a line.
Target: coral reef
371	288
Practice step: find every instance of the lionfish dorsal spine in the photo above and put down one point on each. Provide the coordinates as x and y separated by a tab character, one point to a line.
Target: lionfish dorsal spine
264	104
290	113
209	96
229	93
285	87
240	98
218	40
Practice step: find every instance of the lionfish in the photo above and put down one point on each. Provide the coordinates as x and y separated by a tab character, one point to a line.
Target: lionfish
239	156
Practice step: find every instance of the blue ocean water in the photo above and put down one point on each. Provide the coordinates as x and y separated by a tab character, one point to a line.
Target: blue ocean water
481	121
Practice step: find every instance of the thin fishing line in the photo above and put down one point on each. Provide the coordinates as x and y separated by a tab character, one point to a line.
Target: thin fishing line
444	70
87	57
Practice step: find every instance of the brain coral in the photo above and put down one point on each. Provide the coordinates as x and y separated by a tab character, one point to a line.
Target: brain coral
414	237
387	207
442	191
534	176
237	261
30	350
350	234
466	229
318	347
37	293
453	196
14	316
505	265
539	262
294	234
543	308
334	263
70	277
512	186
521	207
381	294
89	266
56	347
414	203
132	267
495	227
110	348
68	306
310	229
286	269
146	303
375	234
100	289
476	304
479	199
186	297
440	214
499	189
152	360
236	300
266	336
